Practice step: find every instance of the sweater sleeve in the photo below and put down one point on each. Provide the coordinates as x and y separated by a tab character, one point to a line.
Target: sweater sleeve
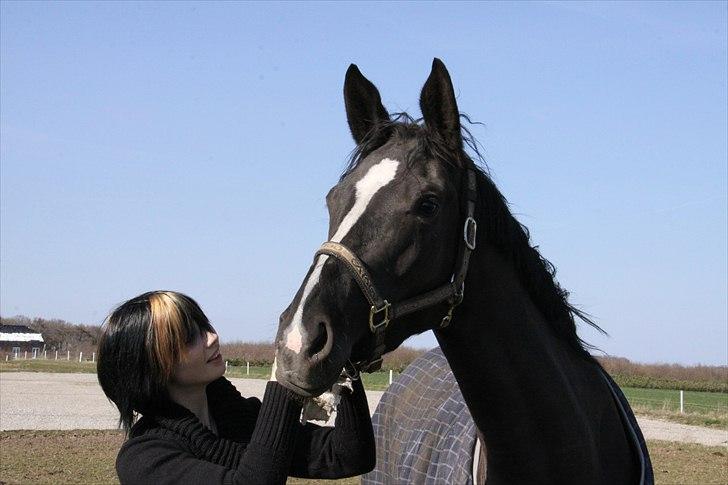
266	460
345	450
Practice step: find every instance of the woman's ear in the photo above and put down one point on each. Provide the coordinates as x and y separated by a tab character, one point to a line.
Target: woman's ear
438	105
364	108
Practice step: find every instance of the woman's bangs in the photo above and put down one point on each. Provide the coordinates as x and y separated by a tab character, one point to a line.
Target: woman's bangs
170	330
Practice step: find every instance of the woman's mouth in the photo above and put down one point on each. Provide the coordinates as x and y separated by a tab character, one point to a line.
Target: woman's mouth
215	357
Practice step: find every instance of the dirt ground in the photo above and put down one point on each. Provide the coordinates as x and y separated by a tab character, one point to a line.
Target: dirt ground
87	456
39	400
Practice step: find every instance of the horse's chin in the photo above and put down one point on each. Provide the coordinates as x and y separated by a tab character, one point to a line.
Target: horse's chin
303	391
309	387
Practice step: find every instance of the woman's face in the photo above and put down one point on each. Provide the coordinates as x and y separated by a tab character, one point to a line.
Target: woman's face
202	362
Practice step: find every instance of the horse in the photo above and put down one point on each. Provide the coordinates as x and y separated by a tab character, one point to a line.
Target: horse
421	239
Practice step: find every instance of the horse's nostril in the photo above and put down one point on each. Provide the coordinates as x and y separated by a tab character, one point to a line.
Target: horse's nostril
319	341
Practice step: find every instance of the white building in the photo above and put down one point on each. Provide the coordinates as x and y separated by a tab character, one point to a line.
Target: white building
18	339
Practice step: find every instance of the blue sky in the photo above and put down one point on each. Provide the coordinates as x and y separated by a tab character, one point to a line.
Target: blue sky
189	146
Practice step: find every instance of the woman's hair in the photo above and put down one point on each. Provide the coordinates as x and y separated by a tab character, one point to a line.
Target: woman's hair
141	341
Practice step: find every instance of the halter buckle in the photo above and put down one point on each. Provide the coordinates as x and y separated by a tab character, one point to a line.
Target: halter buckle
351	371
470	230
374	311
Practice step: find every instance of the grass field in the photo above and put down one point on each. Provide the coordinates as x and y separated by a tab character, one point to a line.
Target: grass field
42	365
87	456
701	408
670	400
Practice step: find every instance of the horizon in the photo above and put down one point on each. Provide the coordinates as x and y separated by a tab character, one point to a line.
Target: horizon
190	146
405	345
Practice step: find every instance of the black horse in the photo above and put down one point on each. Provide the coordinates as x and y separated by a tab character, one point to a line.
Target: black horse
420	238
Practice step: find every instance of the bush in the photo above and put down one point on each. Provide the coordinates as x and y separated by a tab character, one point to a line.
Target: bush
257	353
398	359
666	376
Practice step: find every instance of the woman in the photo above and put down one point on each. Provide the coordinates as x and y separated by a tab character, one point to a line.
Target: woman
159	357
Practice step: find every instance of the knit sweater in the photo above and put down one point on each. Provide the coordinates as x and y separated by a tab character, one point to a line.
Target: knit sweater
257	443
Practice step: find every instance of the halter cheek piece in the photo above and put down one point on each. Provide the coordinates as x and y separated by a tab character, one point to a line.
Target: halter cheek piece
382	312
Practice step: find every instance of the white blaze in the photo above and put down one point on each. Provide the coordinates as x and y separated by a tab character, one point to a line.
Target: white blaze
376	177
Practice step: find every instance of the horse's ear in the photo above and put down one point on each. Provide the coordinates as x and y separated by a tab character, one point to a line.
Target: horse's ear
438	105
363	104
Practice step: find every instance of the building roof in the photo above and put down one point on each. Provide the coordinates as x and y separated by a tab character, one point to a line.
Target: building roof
19	333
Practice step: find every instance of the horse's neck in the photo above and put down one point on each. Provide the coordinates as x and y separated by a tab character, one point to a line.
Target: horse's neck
535	400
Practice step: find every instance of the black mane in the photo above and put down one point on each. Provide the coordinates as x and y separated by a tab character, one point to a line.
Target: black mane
510	238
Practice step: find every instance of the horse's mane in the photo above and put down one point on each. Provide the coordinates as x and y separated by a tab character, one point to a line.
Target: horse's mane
502	230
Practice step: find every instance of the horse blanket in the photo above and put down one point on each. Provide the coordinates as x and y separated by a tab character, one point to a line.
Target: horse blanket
426	435
423	429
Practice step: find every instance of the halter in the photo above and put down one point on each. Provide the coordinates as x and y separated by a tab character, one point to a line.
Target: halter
382	312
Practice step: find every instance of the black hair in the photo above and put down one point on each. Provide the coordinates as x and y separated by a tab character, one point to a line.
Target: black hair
141	341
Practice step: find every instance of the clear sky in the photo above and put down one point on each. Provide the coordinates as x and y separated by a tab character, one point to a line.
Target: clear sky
189	146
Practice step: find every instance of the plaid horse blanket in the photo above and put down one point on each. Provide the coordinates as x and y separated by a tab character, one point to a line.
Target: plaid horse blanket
426	435
422	427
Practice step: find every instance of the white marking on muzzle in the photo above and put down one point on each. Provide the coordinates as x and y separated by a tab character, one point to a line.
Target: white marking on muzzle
376	177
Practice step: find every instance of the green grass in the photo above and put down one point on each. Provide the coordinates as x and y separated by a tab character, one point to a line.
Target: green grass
701	408
670	400
42	365
377	381
87	456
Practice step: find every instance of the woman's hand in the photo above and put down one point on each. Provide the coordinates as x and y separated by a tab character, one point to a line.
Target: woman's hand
273	371
321	407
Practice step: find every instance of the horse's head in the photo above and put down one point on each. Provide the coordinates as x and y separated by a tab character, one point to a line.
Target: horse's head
399	210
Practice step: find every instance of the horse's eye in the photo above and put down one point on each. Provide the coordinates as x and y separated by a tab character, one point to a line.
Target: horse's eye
428	206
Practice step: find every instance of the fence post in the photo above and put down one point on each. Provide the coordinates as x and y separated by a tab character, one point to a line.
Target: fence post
45	354
93	357
390	376
682	402
226	365
80	356
25	355
56	355
68	357
6	357
247	368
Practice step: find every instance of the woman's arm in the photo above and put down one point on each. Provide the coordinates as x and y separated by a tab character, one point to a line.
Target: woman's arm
345	450
182	456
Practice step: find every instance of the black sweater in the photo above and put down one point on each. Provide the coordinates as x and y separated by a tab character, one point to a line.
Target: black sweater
257	442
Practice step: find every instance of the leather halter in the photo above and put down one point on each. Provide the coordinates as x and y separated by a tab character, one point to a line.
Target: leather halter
382	312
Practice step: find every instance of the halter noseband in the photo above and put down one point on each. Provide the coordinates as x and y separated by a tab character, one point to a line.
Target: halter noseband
382	311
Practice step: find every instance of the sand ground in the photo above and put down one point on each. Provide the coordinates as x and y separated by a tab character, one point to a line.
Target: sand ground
39	401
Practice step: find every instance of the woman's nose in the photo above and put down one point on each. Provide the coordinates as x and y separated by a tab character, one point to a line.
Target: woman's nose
212	338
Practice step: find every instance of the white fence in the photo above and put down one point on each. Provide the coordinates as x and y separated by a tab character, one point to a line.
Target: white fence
36	355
